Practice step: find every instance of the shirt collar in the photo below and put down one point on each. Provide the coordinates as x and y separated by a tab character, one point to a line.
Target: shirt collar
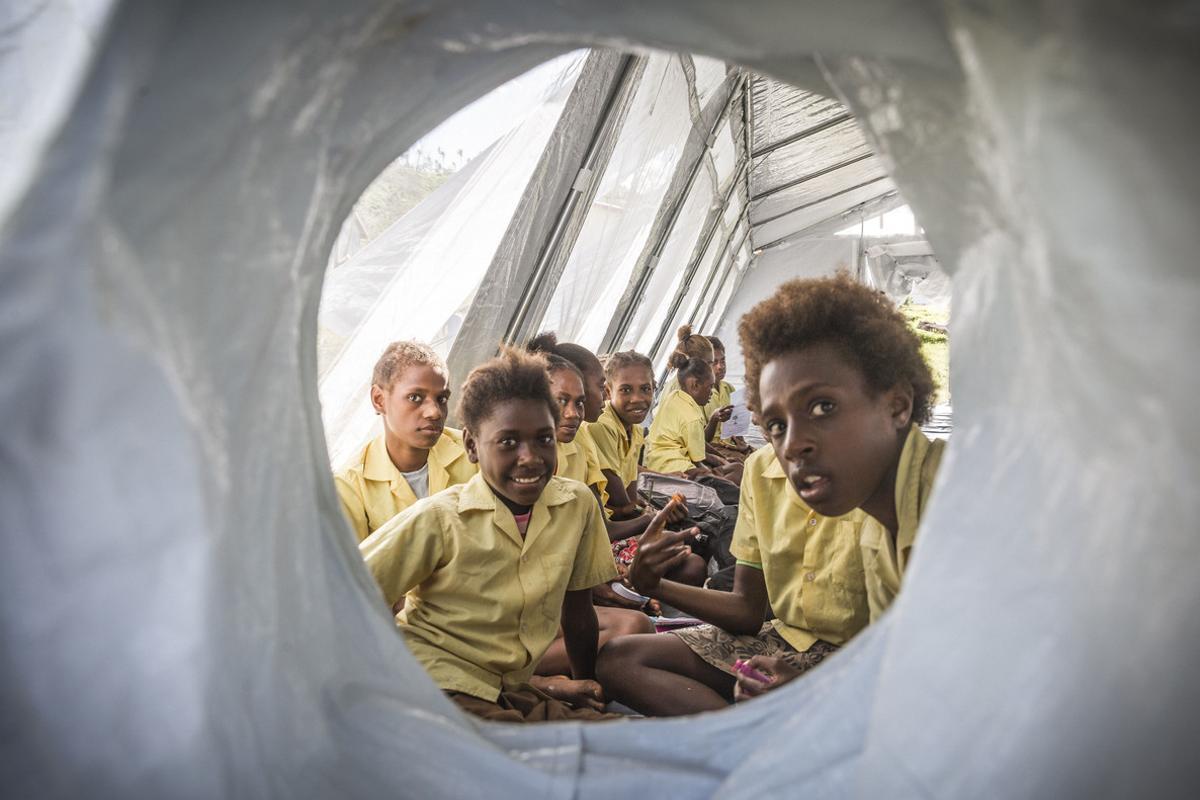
378	466
910	482
477	495
688	399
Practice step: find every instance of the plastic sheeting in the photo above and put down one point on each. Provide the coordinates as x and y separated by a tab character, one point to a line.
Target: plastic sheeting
416	279
811	161
906	269
804	258
184	612
622	213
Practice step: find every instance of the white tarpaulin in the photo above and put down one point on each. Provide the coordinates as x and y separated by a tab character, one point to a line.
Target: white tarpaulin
184	612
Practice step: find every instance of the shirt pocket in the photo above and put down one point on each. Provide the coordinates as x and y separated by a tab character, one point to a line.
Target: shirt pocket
555	575
834	594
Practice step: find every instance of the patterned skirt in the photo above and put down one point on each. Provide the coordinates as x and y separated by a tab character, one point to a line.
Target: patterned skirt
624	550
721	649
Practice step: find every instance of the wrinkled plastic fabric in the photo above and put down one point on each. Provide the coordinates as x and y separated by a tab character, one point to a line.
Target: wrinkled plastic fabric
906	270
183	611
811	161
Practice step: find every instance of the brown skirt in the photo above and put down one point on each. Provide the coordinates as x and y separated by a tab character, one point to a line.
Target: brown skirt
729	453
721	649
526	704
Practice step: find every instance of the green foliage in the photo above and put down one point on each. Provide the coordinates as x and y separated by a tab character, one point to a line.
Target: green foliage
935	346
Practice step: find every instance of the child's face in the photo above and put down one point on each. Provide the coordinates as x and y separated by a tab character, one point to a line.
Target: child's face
631	394
515	450
414	408
700	388
718	365
568	392
837	442
593	385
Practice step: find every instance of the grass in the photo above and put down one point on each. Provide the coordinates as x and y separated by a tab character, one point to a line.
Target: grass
935	346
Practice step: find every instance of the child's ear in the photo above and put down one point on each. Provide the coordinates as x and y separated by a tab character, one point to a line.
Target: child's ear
470	447
900	404
377	398
607	391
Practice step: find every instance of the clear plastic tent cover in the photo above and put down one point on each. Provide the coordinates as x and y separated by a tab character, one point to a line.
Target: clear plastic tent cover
183	610
416	279
614	232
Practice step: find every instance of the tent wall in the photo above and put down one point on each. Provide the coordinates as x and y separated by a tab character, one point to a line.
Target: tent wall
526	267
622	214
420	277
182	608
805	258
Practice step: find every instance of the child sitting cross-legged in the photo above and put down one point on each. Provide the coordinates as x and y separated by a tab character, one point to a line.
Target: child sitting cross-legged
840	385
491	567
678	439
720	408
416	455
838	382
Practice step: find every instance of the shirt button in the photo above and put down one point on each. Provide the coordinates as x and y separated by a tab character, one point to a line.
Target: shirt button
810	576
812	520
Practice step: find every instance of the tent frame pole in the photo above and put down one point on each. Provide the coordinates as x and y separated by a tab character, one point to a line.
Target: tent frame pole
617	332
698	256
594	163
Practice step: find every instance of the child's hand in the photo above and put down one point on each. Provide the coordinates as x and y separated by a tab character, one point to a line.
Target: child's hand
659	551
579	693
676	512
724	413
776	670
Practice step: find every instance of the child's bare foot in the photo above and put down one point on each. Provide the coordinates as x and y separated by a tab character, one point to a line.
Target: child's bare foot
578	693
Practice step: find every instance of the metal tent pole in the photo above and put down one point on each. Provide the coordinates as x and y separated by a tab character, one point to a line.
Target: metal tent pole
617	332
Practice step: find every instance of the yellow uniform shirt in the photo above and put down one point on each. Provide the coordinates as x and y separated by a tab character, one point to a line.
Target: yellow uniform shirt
373	491
886	557
722	396
482	603
676	440
579	461
617	451
812	565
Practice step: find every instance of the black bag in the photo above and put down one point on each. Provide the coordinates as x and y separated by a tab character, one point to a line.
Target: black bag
706	511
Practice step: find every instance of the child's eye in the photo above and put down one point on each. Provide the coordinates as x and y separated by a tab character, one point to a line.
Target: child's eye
776	428
443	399
822	408
546	438
415	398
508	441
